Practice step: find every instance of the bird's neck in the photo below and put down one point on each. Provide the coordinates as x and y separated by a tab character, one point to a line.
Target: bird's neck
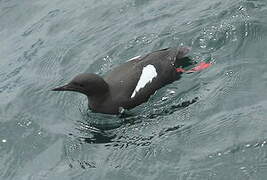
98	102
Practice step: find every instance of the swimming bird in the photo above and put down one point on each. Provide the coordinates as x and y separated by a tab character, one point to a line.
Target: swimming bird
133	82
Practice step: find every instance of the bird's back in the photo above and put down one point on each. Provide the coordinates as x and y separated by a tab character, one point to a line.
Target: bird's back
133	82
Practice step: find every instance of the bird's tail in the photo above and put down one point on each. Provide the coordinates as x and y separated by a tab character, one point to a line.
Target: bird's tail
182	60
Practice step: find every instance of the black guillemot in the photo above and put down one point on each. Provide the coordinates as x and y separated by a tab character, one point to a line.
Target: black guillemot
133	82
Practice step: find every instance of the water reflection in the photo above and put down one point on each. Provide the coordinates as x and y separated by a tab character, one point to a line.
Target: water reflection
101	129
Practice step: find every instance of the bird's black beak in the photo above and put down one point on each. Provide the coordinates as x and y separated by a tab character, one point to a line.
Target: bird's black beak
70	87
66	87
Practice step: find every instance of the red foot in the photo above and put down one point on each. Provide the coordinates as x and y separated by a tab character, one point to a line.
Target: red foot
180	70
199	67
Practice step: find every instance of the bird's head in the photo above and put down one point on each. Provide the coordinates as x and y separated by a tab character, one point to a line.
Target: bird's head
87	83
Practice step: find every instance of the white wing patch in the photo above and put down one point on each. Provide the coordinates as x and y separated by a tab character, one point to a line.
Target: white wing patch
136	57
148	74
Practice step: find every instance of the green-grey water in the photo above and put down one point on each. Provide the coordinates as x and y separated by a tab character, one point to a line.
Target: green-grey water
208	125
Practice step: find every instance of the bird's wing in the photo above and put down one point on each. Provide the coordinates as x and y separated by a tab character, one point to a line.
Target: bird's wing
149	72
